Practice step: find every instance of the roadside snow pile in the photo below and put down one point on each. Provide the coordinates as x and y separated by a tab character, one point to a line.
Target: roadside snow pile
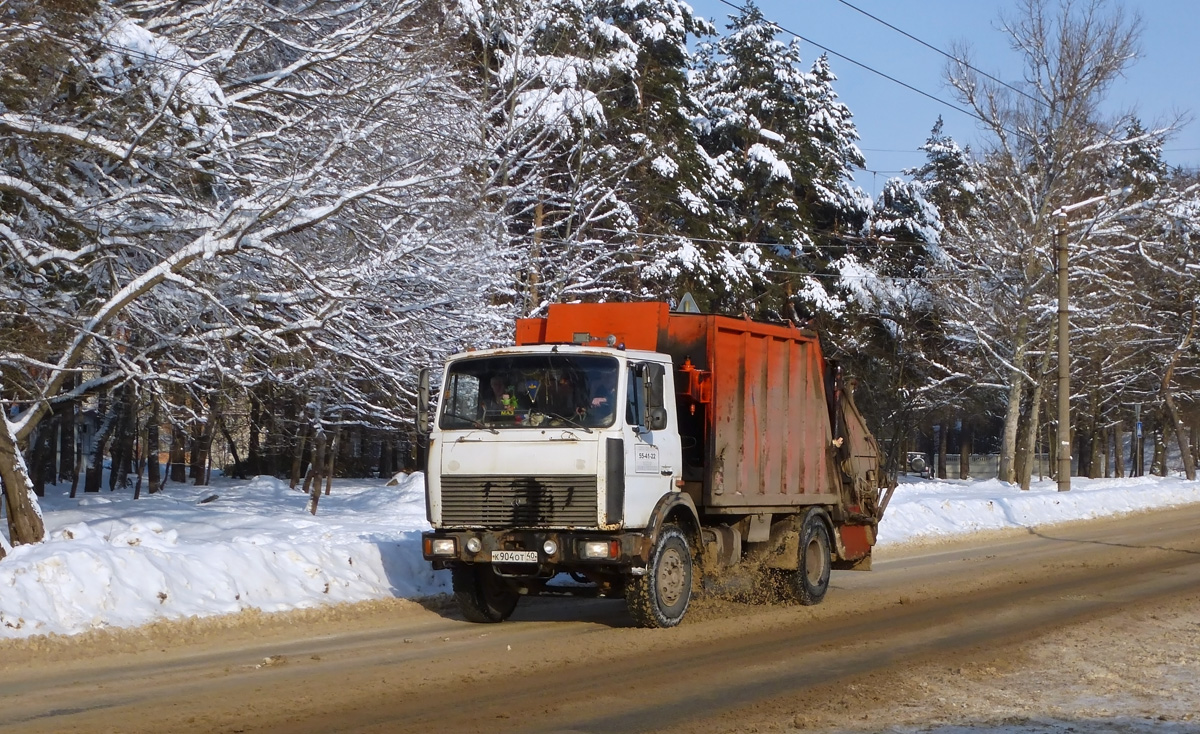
111	561
922	510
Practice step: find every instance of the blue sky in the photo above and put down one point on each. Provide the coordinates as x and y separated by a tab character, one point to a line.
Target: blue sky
893	120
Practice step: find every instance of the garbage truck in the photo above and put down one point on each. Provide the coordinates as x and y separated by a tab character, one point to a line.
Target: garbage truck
626	450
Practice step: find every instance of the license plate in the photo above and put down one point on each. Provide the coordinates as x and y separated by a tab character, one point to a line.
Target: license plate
505	556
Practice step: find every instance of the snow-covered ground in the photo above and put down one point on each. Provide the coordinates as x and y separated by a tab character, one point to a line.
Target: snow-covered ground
112	561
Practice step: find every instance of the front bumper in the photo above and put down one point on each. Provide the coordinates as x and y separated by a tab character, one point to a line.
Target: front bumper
632	550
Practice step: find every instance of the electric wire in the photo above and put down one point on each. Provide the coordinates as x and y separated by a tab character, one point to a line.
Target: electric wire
948	55
1107	136
979	71
890	78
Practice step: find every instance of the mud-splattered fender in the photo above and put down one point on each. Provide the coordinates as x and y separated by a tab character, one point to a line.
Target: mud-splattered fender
676	508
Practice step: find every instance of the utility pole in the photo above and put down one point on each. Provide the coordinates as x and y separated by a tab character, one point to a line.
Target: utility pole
1064	362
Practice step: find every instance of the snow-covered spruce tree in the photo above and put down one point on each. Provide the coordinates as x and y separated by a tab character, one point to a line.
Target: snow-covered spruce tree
541	69
1043	141
782	149
593	160
899	335
650	122
895	321
189	194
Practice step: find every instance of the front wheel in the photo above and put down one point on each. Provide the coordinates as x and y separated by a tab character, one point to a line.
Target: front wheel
482	596
810	580
660	597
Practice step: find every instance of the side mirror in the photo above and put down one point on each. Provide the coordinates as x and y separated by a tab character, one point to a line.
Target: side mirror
423	426
653	376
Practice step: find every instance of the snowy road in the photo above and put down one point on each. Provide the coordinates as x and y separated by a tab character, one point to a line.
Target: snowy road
577	666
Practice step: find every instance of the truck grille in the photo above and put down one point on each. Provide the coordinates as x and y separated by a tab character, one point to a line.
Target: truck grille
498	501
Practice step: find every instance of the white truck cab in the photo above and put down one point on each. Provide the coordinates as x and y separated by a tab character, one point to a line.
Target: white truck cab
552	437
556	459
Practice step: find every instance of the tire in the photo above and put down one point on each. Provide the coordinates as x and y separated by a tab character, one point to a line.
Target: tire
482	596
660	598
810	580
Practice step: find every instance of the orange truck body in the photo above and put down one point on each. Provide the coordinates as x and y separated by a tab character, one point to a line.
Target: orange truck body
767	426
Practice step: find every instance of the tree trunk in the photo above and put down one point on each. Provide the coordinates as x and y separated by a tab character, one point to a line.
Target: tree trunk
1104	457
385	457
178	471
535	260
965	447
137	465
95	471
1082	447
1195	431
253	459
271	426
41	459
126	431
288	429
239	469
24	517
1016	392
1118	458
203	462
298	457
1029	439
1172	420
66	439
333	452
1135	445
195	462
153	469
1158	465
312	484
943	446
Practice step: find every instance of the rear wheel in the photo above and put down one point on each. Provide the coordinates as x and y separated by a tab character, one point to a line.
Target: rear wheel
810	580
661	596
483	596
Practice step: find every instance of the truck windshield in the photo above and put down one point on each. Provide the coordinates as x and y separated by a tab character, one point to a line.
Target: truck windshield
531	391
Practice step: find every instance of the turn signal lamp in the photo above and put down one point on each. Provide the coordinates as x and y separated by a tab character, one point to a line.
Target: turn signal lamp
601	548
441	547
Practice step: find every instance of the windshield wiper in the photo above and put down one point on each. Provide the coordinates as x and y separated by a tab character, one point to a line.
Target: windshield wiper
473	422
568	420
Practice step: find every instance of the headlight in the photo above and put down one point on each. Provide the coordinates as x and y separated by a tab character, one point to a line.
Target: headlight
601	548
474	545
444	547
550	547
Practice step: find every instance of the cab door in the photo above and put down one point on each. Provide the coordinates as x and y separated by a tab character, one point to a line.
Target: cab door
651	436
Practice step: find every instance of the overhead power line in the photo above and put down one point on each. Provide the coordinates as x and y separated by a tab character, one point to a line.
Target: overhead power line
948	55
890	78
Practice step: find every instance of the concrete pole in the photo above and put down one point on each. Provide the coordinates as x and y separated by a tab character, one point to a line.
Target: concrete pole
1064	364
